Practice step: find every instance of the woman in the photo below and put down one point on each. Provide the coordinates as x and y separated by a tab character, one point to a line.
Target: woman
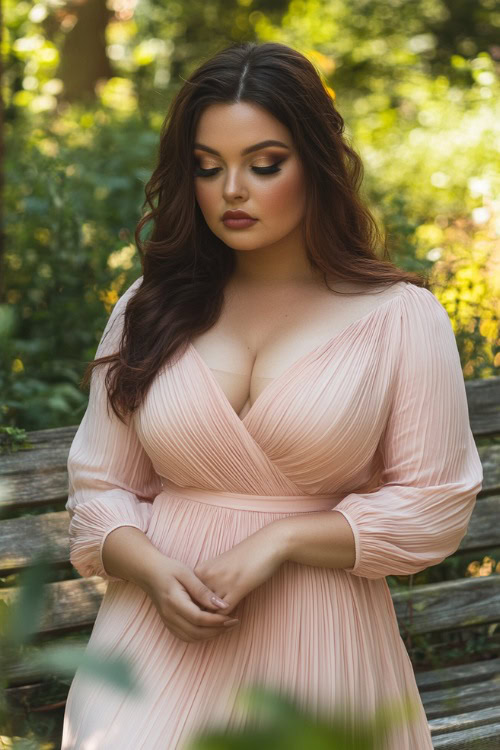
309	437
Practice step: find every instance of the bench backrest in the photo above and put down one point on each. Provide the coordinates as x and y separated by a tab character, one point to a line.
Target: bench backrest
37	478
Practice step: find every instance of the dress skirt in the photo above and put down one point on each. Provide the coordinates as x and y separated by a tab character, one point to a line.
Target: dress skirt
327	640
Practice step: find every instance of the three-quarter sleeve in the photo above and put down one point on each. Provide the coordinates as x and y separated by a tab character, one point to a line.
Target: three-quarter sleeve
111	480
431	471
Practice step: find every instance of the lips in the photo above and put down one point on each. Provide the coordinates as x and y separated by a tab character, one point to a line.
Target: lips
236	215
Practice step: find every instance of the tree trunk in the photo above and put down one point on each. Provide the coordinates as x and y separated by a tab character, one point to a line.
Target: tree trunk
83	55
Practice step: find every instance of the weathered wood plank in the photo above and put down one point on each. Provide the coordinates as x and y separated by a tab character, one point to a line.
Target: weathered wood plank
483	532
27	673
30	478
69	605
459	674
483	399
489	455
457	700
45	691
40	439
448	605
465	721
477	738
26	537
33	489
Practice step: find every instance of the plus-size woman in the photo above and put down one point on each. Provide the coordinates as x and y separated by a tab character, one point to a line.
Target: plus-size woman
278	419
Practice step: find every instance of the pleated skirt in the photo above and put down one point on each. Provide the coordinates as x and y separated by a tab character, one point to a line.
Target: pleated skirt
324	638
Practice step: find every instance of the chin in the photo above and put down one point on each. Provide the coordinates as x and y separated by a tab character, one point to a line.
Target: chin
247	247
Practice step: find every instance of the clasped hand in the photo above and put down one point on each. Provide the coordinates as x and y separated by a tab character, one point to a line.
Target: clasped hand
238	571
183	595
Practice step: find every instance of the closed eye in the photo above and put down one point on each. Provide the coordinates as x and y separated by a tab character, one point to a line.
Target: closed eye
272	169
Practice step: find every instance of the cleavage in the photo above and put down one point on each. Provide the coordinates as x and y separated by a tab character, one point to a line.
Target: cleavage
235	384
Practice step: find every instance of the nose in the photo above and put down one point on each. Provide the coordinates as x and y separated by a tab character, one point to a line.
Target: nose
233	187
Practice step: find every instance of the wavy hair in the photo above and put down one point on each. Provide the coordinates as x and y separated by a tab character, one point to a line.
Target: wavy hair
185	266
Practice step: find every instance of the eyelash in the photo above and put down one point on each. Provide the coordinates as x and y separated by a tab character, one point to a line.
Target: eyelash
272	169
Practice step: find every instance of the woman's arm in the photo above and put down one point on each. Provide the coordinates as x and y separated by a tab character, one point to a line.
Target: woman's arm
128	555
307	538
112	482
432	470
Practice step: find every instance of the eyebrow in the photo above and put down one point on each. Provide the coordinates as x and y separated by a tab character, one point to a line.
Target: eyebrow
248	150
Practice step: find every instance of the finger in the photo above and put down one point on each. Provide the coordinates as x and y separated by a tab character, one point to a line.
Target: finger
202	634
183	629
198	591
191	612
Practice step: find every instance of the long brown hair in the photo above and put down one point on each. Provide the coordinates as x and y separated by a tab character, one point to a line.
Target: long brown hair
185	266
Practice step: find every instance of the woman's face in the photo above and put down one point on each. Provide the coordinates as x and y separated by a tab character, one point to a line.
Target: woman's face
267	183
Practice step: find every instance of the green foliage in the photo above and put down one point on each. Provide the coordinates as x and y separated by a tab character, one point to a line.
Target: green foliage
278	723
20	622
423	124
78	186
13	439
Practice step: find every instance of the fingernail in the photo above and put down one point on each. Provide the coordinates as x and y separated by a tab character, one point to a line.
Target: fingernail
231	622
219	602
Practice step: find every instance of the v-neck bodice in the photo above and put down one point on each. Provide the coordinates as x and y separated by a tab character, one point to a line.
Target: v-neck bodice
316	351
308	399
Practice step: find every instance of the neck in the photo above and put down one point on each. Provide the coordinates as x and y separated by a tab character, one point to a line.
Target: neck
285	263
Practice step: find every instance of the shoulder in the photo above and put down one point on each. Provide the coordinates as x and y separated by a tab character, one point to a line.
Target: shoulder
127	294
420	304
421	296
121	304
114	325
426	333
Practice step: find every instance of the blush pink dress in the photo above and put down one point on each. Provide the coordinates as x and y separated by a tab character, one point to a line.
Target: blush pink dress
372	424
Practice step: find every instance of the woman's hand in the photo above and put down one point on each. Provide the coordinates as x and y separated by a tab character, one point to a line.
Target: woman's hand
182	600
244	567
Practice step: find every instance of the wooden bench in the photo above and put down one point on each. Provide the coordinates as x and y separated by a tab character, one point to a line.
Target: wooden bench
462	702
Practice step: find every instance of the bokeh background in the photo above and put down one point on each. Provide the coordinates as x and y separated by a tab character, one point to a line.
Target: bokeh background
85	88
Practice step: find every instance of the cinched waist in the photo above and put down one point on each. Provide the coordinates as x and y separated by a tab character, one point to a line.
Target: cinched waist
245	501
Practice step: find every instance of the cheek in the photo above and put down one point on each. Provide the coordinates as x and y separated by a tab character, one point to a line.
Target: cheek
285	197
204	196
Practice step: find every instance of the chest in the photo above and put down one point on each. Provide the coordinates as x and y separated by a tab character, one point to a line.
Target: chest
259	336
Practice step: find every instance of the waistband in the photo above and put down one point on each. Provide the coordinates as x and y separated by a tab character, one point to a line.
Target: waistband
245	501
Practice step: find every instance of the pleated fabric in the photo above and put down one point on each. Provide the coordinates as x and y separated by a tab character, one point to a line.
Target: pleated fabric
373	424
